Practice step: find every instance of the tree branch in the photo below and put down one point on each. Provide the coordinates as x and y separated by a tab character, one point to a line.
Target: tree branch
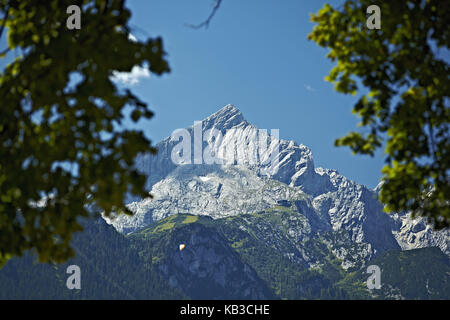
2	27
432	145
208	20
4	52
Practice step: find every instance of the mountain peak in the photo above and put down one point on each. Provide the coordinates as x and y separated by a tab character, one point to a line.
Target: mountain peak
227	111
226	118
229	108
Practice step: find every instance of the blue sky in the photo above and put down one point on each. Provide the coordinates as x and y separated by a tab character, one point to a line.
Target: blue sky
256	56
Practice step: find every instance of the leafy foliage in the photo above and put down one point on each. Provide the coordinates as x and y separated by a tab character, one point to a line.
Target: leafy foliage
62	146
407	103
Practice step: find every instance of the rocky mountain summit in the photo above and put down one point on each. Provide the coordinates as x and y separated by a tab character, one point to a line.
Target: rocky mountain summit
253	171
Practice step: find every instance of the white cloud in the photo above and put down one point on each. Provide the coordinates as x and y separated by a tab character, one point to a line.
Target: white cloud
132	38
309	88
131	78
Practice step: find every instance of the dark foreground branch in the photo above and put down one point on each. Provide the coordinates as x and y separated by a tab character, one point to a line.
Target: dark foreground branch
208	20
2	27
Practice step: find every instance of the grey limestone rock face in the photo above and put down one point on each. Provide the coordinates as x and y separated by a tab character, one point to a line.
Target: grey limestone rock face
414	233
